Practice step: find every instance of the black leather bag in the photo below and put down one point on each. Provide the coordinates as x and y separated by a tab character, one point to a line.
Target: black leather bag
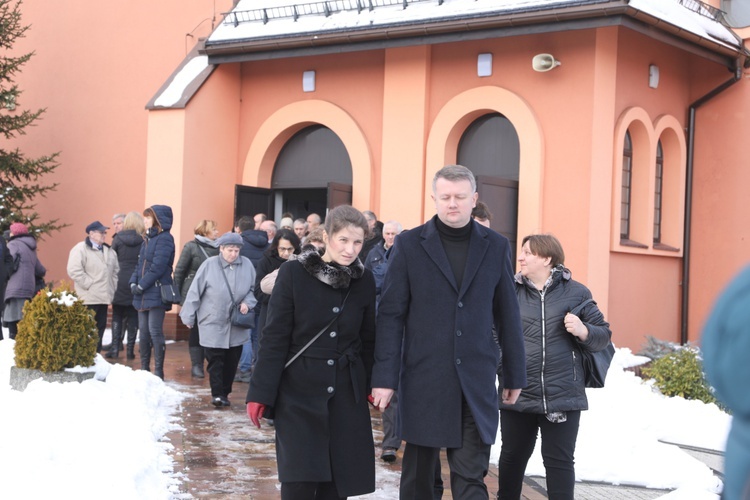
242	320
595	364
169	293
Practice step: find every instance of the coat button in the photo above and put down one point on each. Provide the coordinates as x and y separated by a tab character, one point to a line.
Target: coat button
330	390
458	361
336	309
460	304
459	333
332	334
330	362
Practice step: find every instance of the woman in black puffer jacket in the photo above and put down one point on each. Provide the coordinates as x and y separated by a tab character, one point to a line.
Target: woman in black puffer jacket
194	253
552	401
127	244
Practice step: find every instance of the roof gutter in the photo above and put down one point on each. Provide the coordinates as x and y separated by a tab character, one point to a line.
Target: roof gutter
689	193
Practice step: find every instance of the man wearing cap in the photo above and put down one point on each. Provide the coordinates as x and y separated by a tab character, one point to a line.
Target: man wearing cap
93	267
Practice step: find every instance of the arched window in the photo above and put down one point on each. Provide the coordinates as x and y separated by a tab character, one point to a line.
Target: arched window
658	192
627	183
737	12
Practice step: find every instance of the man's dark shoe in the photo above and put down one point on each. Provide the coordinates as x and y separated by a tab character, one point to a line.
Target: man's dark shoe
388	455
225	401
216	402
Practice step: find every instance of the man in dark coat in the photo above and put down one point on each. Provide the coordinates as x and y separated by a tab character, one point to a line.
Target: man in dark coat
448	282
254	243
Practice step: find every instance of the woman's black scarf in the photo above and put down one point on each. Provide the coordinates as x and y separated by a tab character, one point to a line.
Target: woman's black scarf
330	273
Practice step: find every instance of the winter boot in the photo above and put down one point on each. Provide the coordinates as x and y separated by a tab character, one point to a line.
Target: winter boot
132	330
114	347
196	359
159	351
145	349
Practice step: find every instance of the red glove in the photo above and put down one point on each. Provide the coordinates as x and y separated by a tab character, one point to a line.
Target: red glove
255	412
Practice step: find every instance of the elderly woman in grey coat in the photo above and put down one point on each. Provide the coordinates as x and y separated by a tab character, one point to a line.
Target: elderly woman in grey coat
210	301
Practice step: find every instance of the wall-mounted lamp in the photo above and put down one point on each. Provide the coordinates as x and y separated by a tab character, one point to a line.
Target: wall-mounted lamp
308	81
653	76
484	65
544	62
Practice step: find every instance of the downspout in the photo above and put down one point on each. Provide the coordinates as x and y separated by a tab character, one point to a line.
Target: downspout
689	193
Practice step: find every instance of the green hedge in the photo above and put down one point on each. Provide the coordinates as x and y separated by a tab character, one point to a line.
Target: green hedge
57	331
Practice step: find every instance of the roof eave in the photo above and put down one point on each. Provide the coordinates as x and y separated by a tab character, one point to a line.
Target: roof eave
470	28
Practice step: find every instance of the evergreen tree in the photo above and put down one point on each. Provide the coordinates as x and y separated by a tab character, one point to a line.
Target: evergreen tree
20	177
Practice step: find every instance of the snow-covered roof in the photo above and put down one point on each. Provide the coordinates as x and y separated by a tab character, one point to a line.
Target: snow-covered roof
259	20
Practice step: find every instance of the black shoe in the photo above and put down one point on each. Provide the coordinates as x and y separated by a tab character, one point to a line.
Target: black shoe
197	371
225	401
216	402
110	355
131	355
243	377
388	455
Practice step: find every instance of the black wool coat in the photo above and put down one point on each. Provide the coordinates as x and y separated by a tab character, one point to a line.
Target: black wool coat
322	419
127	244
435	342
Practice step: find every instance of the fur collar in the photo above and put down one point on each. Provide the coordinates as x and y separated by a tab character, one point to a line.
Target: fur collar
330	273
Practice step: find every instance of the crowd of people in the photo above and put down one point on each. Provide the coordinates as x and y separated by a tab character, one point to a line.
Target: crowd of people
321	317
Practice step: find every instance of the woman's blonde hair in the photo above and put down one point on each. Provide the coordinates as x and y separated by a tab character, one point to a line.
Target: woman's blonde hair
205	227
134	221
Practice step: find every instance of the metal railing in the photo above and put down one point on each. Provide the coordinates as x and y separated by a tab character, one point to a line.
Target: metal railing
325	8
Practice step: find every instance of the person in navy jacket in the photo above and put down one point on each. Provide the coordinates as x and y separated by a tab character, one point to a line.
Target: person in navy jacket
448	283
153	270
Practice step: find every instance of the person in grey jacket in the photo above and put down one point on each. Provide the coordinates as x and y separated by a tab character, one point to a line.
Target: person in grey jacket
552	401
209	305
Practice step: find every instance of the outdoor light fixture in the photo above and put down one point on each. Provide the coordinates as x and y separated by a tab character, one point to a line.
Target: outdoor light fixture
544	62
308	81
653	76
484	65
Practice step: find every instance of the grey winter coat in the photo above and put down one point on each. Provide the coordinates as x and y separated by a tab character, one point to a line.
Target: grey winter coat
554	369
208	299
21	284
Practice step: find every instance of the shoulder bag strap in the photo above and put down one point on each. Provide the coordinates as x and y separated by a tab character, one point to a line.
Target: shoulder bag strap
316	337
202	250
221	270
577	309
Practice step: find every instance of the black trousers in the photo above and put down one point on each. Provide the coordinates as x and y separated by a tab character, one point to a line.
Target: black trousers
309	491
100	316
222	365
468	466
519	431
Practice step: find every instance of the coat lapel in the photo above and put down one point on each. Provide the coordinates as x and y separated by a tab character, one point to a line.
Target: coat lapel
478	245
434	248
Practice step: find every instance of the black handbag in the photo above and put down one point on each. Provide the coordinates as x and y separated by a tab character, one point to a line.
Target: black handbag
595	364
169	293
236	318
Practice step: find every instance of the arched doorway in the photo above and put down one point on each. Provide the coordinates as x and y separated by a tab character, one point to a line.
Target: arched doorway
312	174
490	149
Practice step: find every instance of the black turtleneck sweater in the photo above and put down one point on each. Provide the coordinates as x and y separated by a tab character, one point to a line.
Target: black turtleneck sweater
456	245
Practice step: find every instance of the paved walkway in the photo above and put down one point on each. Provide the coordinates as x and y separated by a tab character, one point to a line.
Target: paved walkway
219	454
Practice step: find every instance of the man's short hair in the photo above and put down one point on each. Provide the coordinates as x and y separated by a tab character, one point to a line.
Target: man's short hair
370	215
546	245
245	223
481	211
395	224
118	216
455	173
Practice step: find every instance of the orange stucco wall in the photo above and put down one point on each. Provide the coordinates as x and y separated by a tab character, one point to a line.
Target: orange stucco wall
400	112
96	66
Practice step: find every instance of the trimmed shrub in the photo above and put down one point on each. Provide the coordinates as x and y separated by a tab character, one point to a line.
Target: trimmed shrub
680	373
57	331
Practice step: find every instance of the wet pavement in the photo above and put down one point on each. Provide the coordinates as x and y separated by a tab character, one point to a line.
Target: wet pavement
218	453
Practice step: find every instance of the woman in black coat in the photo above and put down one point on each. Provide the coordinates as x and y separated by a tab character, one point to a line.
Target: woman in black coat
284	244
324	444
552	401
194	253
127	245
